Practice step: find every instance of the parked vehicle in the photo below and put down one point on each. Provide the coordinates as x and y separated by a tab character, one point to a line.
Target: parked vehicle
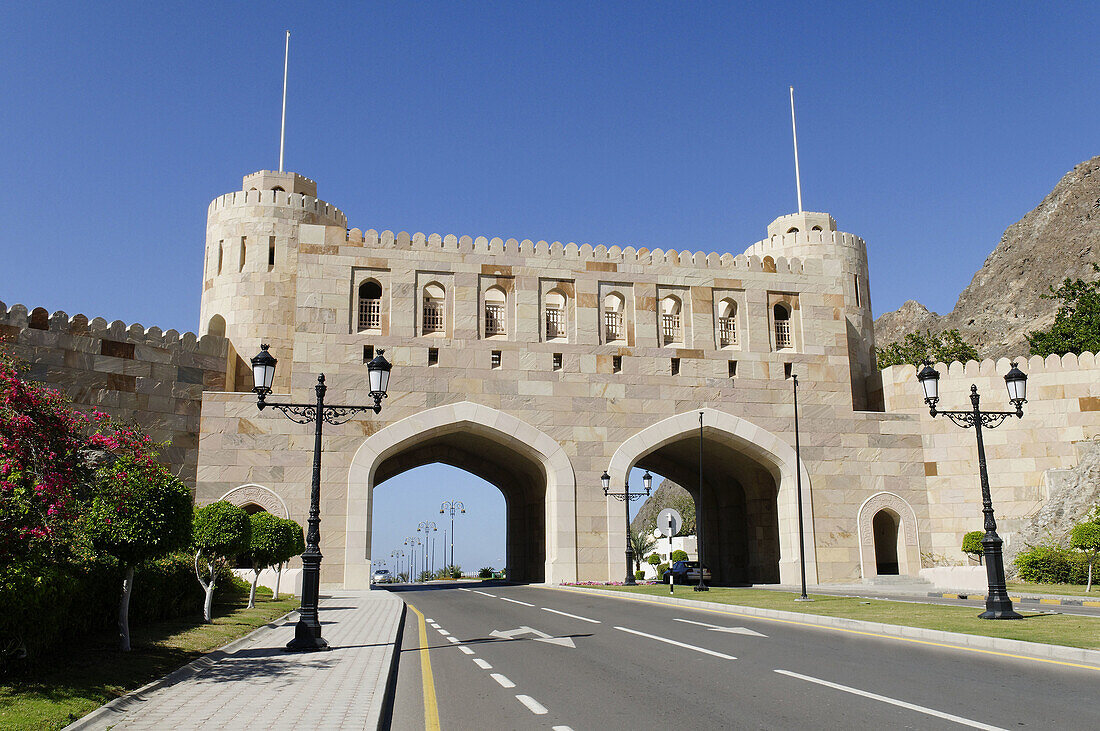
685	572
381	576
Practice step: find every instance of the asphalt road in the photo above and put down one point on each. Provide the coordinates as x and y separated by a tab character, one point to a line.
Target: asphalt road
520	657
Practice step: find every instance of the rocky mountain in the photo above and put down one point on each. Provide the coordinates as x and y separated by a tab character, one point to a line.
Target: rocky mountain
667	495
1002	303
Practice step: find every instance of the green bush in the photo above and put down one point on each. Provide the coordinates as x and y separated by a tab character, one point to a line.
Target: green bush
485	572
661	569
639	575
972	543
1052	565
678	555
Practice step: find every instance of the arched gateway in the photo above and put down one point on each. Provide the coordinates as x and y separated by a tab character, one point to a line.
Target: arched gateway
526	465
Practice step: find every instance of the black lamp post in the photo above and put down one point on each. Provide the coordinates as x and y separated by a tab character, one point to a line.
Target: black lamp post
427	526
451	506
997	603
798	482
626	496
307	633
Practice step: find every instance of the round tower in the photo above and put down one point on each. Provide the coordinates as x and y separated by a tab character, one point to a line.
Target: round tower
250	268
809	235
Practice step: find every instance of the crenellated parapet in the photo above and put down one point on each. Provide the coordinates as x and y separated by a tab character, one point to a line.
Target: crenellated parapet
325	213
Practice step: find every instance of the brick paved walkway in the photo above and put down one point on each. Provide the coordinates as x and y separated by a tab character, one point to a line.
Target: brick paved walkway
256	685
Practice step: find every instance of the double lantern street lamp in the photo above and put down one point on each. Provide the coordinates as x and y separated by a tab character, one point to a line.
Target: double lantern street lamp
412	542
427	526
626	496
451	506
307	633
997	603
397	556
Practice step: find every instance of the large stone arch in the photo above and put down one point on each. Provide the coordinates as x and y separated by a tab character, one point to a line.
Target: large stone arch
252	494
908	541
752	443
442	435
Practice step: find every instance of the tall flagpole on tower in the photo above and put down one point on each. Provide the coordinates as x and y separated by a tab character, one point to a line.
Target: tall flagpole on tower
282	130
794	134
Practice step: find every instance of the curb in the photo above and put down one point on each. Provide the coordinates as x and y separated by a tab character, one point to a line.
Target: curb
1046	601
124	703
381	708
1089	659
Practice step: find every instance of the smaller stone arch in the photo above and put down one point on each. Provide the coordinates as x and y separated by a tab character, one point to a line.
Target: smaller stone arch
908	544
257	495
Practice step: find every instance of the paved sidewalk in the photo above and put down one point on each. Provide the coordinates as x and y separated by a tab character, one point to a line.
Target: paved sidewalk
254	684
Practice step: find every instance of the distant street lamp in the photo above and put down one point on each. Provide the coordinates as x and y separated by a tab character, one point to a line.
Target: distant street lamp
427	526
451	506
397	556
307	633
998	605
412	542
626	496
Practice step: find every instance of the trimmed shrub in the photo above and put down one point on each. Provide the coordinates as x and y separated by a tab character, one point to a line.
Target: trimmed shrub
639	575
678	555
1052	565
661	569
972	544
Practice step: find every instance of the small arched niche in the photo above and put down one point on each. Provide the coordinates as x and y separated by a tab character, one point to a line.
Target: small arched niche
216	326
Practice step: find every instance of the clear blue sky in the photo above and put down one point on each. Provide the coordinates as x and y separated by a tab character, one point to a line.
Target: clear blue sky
926	128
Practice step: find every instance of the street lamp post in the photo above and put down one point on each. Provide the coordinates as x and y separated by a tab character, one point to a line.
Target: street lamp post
412	542
397	556
451	506
798	496
626	496
998	605
307	633
427	526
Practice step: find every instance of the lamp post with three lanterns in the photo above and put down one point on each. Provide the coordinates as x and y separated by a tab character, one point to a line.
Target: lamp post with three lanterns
307	633
998	605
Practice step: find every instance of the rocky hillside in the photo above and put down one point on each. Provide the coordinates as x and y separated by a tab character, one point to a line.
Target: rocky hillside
1002	303
668	495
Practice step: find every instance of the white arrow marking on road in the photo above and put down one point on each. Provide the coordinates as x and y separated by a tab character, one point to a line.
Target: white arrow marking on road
539	636
703	650
731	630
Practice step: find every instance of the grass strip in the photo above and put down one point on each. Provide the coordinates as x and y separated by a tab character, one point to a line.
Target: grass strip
1054	589
61	689
1051	629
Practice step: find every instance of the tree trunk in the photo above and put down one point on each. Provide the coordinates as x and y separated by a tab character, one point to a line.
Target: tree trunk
278	578
252	591
124	610
1089	587
208	607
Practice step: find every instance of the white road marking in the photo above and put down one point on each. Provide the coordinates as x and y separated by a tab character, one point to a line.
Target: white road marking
703	650
532	705
502	680
560	728
482	664
463	589
466	650
454	640
539	636
516	601
429	620
892	701
443	632
571	616
718	628
434	625
485	593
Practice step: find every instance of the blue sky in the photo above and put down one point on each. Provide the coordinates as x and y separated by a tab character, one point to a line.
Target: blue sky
926	128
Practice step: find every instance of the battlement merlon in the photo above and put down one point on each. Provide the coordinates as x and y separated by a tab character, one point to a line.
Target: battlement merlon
286	182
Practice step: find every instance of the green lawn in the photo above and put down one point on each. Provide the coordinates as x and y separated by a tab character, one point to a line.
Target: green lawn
63	688
1059	629
1057	589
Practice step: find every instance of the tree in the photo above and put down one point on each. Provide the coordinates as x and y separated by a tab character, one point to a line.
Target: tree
943	347
263	547
640	543
1076	327
972	544
218	533
140	512
678	555
292	542
1085	537
654	560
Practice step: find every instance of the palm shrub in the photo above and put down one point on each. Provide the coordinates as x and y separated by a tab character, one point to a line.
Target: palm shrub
485	572
641	543
219	532
972	544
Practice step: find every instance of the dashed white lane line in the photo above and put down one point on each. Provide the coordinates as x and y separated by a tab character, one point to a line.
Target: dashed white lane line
703	650
892	701
504	682
429	620
454	640
466	650
462	589
443	632
571	616
560	728
485	593
482	664
532	705
516	601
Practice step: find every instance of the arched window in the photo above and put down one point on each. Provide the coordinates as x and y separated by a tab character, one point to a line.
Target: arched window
278	188
727	323
221	252
613	305
815	228
555	315
792	230
216	326
671	330
370	306
434	309
240	267
782	317
495	312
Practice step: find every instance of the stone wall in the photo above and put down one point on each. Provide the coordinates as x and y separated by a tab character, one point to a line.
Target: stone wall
1023	455
153	378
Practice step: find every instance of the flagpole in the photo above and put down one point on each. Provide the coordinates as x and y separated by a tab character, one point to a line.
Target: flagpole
282	130
794	134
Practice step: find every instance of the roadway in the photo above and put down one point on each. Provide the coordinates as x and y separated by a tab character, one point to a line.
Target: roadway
519	657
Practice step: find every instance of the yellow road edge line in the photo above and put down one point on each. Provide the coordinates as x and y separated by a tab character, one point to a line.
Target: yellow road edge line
431	707
1090	604
1055	602
850	631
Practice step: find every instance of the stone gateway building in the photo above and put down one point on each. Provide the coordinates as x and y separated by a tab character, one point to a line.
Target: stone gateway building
537	366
